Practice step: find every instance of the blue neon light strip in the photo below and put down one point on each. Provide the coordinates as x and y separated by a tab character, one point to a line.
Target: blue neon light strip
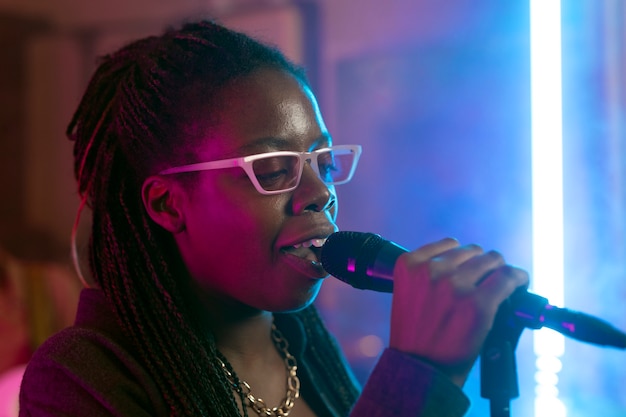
547	194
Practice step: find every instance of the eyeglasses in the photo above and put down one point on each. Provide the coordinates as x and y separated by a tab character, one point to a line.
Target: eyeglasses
280	172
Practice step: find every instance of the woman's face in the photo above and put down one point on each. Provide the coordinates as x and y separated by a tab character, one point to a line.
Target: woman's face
237	243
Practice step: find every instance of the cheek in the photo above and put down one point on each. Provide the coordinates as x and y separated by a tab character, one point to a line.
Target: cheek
228	240
221	203
245	210
230	227
236	221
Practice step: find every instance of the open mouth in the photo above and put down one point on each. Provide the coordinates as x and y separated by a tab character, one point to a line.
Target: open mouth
310	249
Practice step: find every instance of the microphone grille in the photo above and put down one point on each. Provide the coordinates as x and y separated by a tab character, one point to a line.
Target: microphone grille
345	253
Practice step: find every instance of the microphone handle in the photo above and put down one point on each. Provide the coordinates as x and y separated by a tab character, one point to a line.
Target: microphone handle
378	276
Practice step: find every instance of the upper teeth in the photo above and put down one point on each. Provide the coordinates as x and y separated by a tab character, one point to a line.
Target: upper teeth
313	242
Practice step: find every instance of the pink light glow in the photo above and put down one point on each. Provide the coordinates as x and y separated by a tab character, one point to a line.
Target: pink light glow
9	391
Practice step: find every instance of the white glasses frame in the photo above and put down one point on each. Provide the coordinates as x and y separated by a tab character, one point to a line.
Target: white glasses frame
245	162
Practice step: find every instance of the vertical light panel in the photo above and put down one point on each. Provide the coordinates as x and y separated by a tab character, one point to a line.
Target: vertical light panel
614	42
547	194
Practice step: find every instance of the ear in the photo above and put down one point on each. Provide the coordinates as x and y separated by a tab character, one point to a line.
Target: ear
161	200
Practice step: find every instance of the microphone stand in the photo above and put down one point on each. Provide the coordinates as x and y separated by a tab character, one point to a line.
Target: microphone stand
498	369
497	357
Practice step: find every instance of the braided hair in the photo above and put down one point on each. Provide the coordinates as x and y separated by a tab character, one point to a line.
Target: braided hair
129	125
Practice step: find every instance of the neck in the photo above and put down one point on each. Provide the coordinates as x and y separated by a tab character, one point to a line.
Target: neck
247	338
241	332
261	365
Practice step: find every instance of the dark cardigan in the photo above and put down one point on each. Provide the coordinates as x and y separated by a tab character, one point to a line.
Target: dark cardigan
89	370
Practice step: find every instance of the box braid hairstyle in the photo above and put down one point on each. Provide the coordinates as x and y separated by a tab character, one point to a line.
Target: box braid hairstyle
130	124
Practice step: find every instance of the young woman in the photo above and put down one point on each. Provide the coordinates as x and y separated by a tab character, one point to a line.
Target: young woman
205	160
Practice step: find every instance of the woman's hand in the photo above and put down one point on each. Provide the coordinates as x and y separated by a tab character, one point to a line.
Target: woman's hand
445	300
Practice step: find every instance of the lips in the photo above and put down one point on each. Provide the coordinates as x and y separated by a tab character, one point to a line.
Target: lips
311	242
304	255
309	249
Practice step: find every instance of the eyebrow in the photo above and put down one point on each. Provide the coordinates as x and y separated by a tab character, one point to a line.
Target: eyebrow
280	144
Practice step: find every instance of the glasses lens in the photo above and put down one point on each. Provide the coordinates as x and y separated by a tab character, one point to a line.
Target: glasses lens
277	172
335	165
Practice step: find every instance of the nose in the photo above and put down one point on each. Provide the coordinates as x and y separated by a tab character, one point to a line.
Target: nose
312	194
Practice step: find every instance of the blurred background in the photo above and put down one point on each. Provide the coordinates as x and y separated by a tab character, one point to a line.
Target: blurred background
440	98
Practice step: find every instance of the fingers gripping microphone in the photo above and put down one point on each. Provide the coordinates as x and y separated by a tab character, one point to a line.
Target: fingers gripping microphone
366	261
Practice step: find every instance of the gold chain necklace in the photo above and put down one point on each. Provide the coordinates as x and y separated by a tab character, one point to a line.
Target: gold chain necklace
293	382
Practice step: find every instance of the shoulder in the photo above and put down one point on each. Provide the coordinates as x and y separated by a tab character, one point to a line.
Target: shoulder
83	350
84	371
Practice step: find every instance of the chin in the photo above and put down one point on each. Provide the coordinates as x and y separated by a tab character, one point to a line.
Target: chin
302	301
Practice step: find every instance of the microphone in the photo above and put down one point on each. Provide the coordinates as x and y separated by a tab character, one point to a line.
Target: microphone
366	261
